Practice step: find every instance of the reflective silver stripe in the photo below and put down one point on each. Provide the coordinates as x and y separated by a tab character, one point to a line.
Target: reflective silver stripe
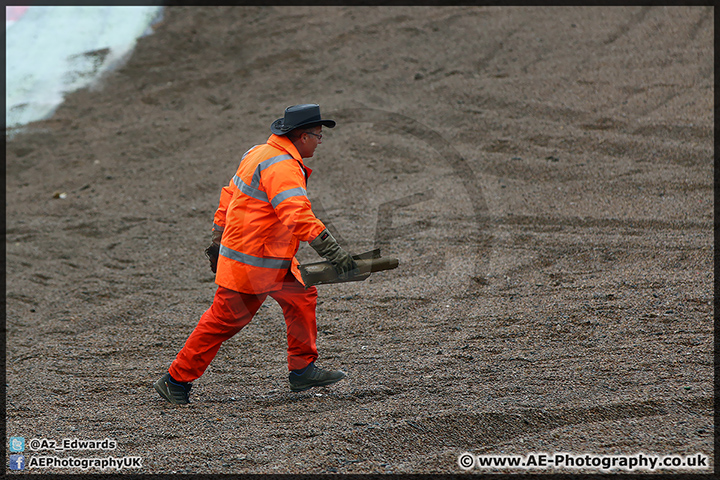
252	190
249	191
218	227
276	263
255	183
282	196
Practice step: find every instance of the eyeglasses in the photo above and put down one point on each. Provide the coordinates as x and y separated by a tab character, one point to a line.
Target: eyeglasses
319	136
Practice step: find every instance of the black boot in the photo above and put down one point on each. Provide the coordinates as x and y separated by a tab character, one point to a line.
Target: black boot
313	376
172	391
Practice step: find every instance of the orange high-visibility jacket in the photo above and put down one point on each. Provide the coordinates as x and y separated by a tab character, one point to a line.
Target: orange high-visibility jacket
264	214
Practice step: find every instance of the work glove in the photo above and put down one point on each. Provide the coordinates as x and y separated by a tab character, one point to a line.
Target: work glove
327	247
213	251
216	236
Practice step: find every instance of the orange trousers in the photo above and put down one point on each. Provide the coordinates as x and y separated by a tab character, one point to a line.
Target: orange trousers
231	311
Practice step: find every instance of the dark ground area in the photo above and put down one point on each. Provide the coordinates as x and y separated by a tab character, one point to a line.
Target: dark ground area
544	175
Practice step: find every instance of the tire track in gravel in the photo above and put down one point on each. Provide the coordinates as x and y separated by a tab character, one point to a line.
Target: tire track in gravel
542	221
623	30
468	430
667	142
461	169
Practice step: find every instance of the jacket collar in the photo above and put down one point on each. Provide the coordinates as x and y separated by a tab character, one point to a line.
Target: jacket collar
283	143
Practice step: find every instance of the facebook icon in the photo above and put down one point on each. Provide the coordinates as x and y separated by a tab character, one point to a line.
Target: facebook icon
17	462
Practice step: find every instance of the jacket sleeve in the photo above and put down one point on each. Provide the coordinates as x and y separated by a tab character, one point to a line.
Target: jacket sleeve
284	184
221	212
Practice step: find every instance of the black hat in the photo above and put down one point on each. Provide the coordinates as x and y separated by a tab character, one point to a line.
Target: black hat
299	116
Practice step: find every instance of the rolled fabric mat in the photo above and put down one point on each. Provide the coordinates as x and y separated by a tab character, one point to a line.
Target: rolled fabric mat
323	272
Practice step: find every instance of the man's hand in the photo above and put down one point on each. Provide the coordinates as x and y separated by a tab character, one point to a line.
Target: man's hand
327	247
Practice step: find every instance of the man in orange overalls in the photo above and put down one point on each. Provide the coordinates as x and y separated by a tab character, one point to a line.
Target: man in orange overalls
264	214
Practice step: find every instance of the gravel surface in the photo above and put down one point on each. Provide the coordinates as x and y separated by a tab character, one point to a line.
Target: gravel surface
543	175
